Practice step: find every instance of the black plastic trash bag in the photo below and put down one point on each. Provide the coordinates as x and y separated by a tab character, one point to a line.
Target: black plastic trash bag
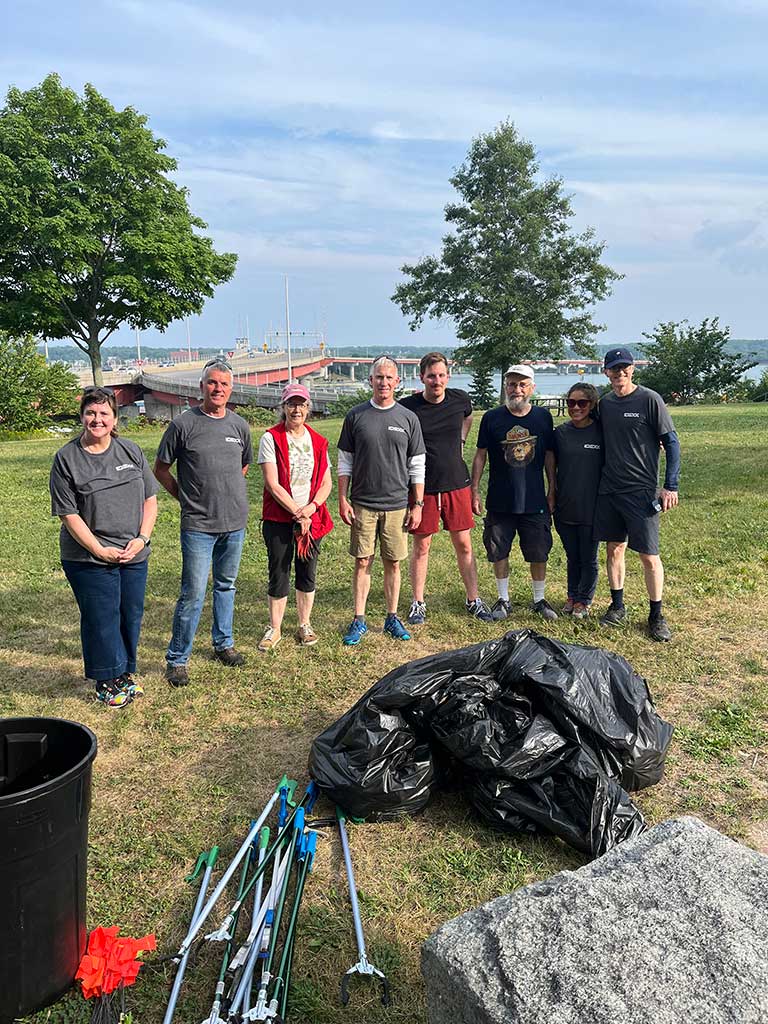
543	737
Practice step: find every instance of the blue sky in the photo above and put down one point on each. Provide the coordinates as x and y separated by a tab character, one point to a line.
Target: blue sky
317	140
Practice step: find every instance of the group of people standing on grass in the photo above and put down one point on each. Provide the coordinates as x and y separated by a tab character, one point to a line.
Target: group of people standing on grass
401	472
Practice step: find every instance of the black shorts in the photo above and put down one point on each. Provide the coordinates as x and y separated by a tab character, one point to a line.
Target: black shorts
533	528
281	552
628	517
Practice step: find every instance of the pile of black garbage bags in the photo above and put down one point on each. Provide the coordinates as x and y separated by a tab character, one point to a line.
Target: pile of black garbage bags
542	736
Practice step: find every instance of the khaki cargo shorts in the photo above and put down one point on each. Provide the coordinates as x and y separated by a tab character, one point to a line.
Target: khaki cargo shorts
389	527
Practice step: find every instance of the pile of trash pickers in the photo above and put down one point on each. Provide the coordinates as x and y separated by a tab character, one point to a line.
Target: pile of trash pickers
541	736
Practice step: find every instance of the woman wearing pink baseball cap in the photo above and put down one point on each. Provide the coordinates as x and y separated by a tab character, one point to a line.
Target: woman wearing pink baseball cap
297	482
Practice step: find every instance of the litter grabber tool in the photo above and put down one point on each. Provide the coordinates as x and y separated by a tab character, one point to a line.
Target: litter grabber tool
261	1011
214	1017
283	977
207	859
363	966
224	880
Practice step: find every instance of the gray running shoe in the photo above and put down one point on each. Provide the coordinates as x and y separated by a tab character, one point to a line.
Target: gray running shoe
659	630
544	609
613	617
500	610
417	614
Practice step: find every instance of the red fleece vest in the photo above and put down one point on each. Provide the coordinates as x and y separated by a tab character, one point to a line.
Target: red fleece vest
272	509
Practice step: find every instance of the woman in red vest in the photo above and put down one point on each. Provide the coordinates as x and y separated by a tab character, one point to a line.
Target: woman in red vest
297	482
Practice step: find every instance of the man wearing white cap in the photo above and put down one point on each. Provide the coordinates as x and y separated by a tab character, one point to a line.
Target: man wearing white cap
517	441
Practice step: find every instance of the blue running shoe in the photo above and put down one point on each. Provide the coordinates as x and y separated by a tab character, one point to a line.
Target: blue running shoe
394	627
356	630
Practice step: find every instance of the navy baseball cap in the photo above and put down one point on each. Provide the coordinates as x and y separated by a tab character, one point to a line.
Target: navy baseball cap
617	357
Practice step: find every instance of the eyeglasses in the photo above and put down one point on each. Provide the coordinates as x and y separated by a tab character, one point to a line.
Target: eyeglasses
577	403
516	385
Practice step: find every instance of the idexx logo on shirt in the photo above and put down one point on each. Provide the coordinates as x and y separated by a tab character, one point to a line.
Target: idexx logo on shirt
595	447
633	415
234	440
125	465
399	430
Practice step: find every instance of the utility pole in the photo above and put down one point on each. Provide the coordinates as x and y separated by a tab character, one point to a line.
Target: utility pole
288	330
138	346
189	344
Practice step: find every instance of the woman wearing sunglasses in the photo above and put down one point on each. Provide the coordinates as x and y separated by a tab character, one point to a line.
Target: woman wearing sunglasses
579	455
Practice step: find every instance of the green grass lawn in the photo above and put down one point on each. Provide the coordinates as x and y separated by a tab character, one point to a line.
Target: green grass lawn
180	770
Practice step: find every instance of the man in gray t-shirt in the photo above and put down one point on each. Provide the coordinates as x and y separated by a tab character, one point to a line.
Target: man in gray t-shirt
211	447
635	422
381	449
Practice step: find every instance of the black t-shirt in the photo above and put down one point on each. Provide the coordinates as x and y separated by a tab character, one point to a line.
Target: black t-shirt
579	454
516	447
441	424
632	426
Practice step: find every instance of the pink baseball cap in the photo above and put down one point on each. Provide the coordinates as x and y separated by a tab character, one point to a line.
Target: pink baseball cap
294	390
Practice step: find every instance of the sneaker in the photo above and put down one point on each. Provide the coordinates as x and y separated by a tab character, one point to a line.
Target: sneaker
270	640
567	608
230	657
613	617
581	611
306	636
659	630
177	675
417	614
478	609
356	630
111	693
393	627
130	686
500	610
544	609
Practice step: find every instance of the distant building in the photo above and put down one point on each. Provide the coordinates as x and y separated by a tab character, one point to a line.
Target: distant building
183	355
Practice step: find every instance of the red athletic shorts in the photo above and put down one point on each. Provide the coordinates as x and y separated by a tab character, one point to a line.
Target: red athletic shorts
453	507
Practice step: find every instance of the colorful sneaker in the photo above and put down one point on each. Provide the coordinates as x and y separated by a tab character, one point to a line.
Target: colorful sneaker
581	611
130	686
356	630
567	608
270	640
305	635
544	609
613	617
500	610
417	614
478	609
111	693
659	630
393	627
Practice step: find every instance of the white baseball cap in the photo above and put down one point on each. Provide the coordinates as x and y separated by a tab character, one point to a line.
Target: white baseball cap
521	370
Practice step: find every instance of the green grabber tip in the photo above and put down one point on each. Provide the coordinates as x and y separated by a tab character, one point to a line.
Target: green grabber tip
207	857
282	782
291	786
264	838
341	816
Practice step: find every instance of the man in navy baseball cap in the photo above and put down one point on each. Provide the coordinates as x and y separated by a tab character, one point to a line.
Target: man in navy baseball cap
617	357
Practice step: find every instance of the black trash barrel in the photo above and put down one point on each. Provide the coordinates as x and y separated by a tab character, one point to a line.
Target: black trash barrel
45	797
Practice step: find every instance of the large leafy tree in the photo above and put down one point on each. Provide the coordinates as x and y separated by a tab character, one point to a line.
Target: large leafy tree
516	281
93	232
686	363
31	391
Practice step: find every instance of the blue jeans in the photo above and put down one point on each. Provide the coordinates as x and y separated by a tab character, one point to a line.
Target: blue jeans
581	554
199	553
111	603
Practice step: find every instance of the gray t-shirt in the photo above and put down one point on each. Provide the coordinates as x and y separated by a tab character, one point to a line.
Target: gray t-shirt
382	441
106	489
579	454
210	453
632	427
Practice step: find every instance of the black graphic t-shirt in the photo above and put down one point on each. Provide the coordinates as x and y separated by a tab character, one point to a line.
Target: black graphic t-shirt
516	448
579	454
441	424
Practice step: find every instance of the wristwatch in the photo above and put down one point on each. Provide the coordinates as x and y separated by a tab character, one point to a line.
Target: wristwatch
419	503
144	537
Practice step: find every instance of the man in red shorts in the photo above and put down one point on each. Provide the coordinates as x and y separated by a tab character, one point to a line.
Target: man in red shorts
445	415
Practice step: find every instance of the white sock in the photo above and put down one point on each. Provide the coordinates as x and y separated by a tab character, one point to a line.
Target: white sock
502	586
538	587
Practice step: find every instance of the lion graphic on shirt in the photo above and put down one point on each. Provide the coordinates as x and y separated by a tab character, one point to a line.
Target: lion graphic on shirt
519	447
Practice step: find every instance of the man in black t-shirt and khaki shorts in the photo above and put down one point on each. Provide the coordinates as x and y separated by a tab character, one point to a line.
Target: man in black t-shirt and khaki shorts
445	415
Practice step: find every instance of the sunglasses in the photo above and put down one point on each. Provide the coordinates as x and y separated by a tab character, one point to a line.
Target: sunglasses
218	362
91	389
578	403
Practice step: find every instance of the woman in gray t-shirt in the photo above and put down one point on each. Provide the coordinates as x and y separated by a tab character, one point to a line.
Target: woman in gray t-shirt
104	492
